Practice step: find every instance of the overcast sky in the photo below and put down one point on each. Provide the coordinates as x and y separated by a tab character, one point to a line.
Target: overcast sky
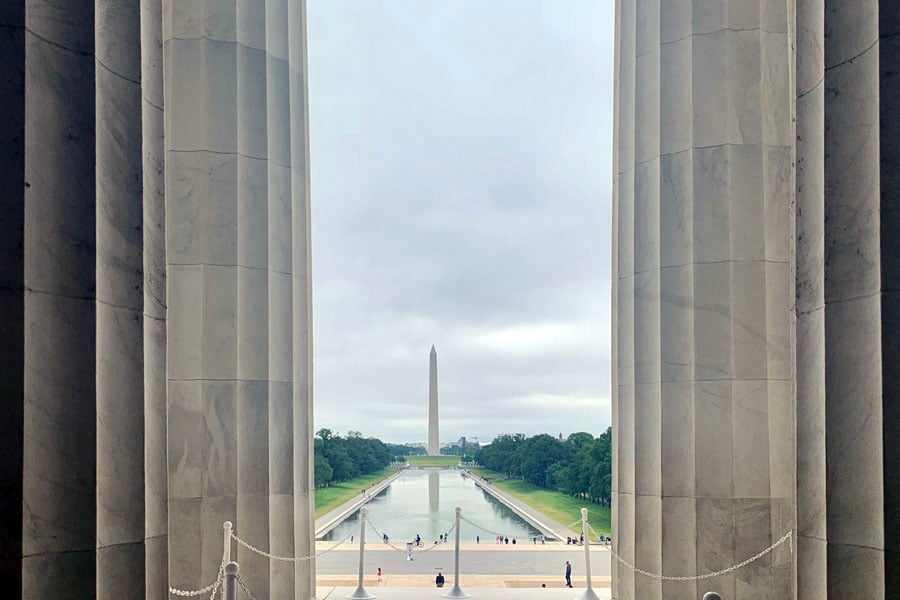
461	169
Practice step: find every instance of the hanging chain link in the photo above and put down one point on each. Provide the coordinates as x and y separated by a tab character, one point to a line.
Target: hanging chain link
492	532
403	550
788	537
243	585
213	587
292	559
335	547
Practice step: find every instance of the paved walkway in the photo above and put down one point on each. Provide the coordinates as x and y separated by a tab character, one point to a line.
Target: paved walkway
477	593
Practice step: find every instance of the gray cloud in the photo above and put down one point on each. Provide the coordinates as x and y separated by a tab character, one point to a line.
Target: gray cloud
460	158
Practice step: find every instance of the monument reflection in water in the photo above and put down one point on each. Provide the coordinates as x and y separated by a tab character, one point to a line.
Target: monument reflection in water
422	502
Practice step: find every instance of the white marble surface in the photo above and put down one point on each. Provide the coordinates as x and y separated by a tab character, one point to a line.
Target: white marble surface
703	305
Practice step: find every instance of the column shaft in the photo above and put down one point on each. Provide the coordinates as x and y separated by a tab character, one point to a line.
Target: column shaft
855	515
281	487
119	264
59	492
301	285
679	512
646	302
810	286
252	294
704	300
889	159
154	285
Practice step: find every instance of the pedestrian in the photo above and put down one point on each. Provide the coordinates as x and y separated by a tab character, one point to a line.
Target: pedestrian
534	540
441	537
439	580
351	539
477	539
568	574
379	574
514	541
543	539
581	542
506	540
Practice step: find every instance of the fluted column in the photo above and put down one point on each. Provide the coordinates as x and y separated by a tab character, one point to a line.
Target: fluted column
810	286
120	299
853	366
301	286
646	302
281	472
154	285
704	318
889	163
239	397
624	423
252	292
59	474
676	320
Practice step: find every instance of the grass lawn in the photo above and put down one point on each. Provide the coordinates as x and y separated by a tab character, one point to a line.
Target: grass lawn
562	508
331	497
432	461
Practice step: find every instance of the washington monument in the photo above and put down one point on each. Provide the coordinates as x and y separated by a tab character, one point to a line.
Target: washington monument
434	444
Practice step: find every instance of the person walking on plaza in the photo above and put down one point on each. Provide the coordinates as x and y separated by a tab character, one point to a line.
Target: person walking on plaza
568	574
379	574
439	580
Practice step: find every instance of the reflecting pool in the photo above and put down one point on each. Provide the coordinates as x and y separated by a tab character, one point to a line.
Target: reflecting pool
422	502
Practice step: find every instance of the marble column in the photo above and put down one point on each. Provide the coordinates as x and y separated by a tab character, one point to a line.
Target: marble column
301	290
238	321
155	289
154	315
120	303
704	294
787	415
853	368
889	171
810	293
59	442
280	317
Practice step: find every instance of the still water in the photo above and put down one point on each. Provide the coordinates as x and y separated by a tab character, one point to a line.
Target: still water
423	501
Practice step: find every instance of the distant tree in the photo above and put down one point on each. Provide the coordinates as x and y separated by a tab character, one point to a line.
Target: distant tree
580	465
536	454
340	459
498	455
323	471
579	439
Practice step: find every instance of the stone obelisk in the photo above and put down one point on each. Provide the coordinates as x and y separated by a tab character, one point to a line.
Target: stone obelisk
434	444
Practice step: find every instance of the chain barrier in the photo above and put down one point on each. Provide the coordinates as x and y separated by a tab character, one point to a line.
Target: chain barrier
213	587
495	533
403	550
788	537
243	585
292	559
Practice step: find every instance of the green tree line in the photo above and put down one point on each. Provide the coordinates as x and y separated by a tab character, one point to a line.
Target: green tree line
580	465
342	458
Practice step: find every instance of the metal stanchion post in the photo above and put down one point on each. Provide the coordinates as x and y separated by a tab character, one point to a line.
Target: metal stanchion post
456	592
226	551
589	591
361	593
229	585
